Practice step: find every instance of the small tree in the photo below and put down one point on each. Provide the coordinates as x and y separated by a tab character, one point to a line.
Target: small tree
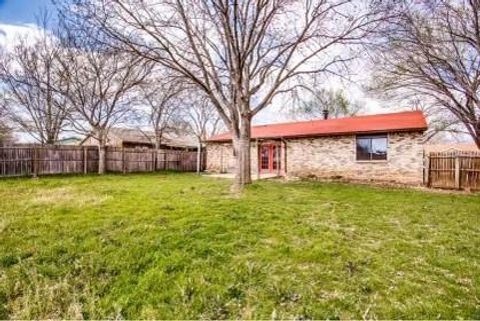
28	74
161	97
100	87
203	121
432	50
326	103
6	133
441	125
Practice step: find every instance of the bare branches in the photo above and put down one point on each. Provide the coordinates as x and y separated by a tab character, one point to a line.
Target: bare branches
325	103
161	95
100	83
28	74
202	118
101	86
239	54
6	134
433	50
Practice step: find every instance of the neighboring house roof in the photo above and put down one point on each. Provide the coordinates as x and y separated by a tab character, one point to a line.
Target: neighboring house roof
148	137
394	122
69	141
438	148
127	135
132	135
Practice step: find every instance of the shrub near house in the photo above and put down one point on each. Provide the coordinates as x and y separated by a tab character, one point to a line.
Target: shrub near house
375	147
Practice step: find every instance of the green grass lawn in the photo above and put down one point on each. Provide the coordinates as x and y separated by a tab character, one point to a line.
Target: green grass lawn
178	246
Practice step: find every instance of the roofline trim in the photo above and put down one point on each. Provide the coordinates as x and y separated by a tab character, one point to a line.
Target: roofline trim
420	129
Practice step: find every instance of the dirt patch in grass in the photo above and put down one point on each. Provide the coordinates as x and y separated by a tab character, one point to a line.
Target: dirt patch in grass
66	195
44	298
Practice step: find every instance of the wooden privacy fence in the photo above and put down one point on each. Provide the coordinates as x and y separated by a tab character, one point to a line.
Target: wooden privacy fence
142	160
46	160
458	170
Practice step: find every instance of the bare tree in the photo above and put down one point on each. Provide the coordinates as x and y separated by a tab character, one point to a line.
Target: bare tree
28	74
202	119
432	50
101	87
441	125
5	130
240	54
325	103
162	99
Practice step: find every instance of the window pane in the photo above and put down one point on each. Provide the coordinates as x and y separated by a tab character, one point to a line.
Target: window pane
264	157
372	147
276	159
363	148
379	148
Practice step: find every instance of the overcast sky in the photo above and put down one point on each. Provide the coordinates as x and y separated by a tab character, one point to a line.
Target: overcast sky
17	17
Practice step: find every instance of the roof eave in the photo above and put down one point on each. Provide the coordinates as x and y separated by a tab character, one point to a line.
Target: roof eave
419	129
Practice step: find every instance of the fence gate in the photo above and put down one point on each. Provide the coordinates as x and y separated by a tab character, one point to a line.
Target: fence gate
455	170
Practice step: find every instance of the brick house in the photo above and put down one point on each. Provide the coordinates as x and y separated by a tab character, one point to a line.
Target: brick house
385	147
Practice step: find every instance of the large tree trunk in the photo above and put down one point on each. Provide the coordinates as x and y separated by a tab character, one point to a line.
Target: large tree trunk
241	145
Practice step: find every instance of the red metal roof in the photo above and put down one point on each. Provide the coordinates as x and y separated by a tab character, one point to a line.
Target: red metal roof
394	122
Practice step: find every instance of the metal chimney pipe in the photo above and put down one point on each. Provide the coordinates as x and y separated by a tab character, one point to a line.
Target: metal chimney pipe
325	114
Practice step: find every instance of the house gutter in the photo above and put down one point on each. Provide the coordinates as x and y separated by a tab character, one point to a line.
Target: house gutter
422	129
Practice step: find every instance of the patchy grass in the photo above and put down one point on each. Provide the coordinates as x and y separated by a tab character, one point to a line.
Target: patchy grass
177	246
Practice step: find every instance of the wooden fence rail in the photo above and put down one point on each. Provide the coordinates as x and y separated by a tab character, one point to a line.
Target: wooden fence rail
455	170
46	160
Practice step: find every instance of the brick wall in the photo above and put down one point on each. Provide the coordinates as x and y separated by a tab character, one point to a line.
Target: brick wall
336	156
328	157
220	158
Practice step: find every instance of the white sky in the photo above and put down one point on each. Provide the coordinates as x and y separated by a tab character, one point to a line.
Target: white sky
10	33
276	112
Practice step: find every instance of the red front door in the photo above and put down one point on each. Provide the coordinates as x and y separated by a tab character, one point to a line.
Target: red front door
269	158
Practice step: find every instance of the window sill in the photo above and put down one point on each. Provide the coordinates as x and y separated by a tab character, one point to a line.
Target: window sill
372	161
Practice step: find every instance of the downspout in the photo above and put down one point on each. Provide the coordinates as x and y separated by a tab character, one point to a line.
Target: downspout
279	158
285	156
258	159
221	159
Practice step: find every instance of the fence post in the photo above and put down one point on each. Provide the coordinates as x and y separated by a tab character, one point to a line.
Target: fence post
123	160
426	171
164	160
35	161
85	160
155	160
221	160
457	172
154	163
